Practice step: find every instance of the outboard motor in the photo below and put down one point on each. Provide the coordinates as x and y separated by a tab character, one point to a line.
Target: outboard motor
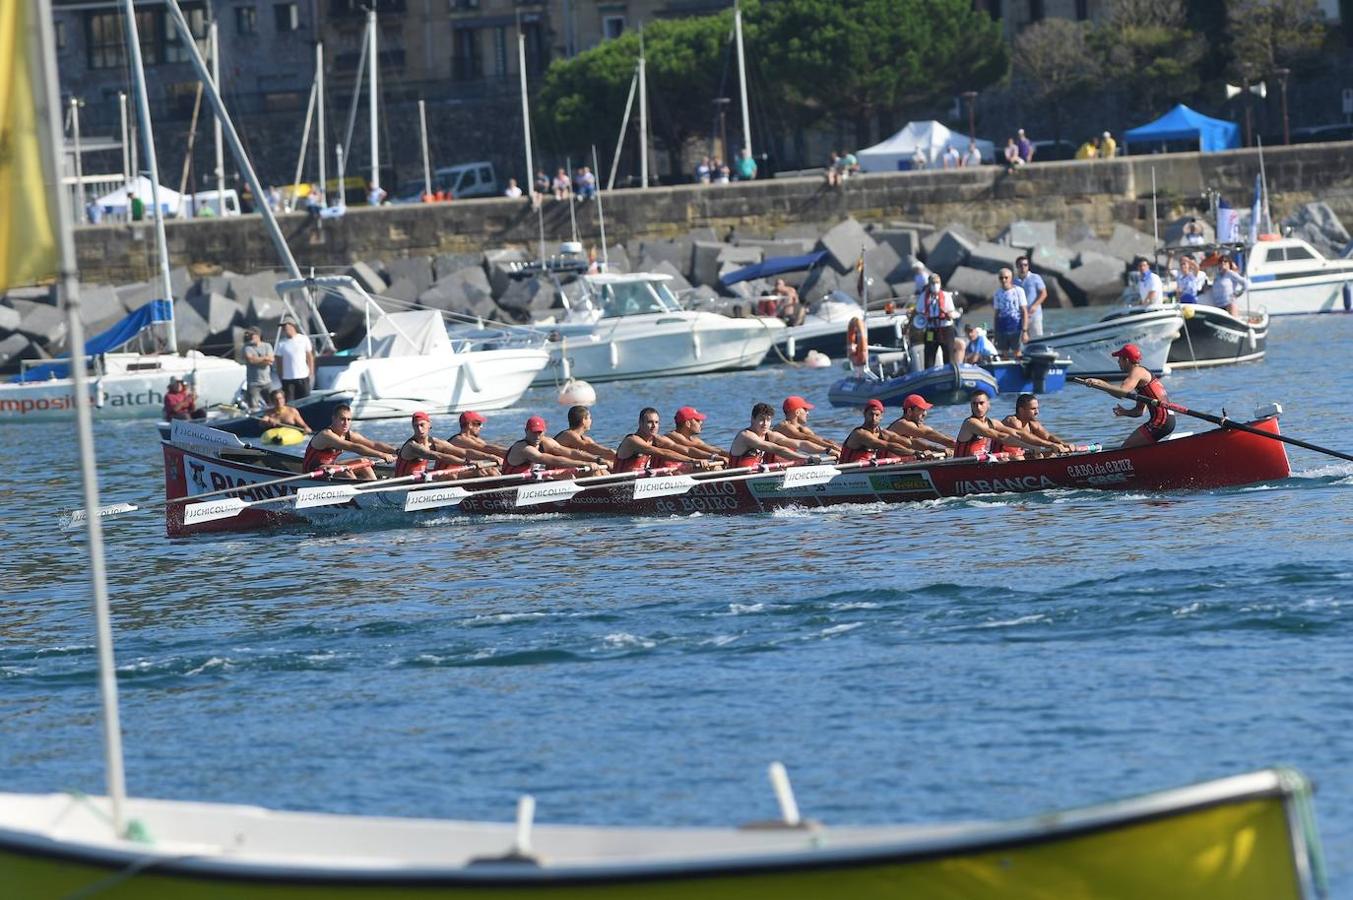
1038	360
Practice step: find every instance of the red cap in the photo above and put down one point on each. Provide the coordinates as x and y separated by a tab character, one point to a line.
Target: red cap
689	413
421	416
1130	352
535	423
874	404
796	402
470	416
917	401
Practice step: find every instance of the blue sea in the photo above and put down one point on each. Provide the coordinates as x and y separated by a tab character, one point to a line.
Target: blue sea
988	657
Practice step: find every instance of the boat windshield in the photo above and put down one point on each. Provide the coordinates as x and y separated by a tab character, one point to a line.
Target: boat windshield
632	298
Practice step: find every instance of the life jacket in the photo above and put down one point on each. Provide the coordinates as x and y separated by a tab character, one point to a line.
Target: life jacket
510	468
636	463
416	466
850	454
1154	390
316	459
973	446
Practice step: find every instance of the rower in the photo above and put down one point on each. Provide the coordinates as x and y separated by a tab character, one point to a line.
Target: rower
795	426
867	441
686	435
1025	420
638	450
280	415
976	434
415	454
526	453
575	436
911	425
757	445
468	437
324	448
1139	380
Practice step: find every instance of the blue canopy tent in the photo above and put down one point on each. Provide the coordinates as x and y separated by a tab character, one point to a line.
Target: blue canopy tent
1184	124
153	313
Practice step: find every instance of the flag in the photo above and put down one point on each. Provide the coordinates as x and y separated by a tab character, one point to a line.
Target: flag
859	279
28	242
1228	223
1256	207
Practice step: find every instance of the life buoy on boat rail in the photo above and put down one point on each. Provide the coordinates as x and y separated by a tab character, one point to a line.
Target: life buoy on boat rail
857	342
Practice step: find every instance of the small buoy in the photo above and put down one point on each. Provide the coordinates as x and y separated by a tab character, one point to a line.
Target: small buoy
576	392
283	435
816	359
1186	310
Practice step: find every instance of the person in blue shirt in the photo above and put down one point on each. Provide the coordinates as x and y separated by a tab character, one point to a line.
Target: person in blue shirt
1012	315
979	348
1035	293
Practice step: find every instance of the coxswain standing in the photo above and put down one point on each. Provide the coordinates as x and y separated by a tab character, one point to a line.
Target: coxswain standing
575	436
1139	380
328	443
867	441
638	450
415	454
978	431
526	453
757	445
1025	421
468	437
686	435
911	425
795	426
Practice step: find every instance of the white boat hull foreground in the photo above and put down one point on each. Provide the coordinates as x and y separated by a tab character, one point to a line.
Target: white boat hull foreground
1090	347
131	386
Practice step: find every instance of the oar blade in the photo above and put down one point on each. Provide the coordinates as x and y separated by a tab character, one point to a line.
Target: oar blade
663	486
434	498
225	508
546	492
76	518
325	495
804	476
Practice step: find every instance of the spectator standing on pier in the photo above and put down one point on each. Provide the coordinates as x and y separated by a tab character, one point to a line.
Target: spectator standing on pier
973	157
745	166
513	191
704	170
951	160
1026	146
1108	147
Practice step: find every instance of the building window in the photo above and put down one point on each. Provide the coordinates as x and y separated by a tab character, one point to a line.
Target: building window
105	38
467	64
174	51
500	51
246	20
612	27
286	17
537	51
1035	10
60	35
1082	10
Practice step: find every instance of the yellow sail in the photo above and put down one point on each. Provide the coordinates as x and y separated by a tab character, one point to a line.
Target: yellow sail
28	244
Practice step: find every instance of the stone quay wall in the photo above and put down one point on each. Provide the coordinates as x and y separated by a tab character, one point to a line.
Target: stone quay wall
1087	195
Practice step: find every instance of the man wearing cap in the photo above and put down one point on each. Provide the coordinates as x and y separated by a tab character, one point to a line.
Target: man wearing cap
280	415
1138	380
1150	290
1025	420
468	437
575	436
526	453
686	434
329	443
757	444
638	449
795	426
258	360
911	425
978	432
867	441
295	360
415	454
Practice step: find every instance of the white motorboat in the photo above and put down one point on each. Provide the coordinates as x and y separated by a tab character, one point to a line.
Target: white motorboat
1090	347
1287	276
824	328
632	326
408	362
1211	336
123	383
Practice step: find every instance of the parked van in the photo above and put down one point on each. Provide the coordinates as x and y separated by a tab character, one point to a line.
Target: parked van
476	179
208	203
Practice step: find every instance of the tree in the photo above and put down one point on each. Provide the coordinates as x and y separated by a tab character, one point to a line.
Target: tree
1149	53
1271	34
1054	60
855	58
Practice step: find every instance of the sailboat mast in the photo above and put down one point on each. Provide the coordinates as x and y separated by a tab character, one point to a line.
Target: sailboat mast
643	115
217	139
742	80
319	125
423	140
43	69
525	107
148	142
624	127
371	86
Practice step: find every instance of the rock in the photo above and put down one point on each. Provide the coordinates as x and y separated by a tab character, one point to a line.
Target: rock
906	242
526	296
135	296
1089	258
190	328
1324	220
208	284
704	233
798	231
618	259
33	294
678	282
821	282
459	291
264	313
1129	244
42	324
1026	234
738	257
975	285
366	275
993	257
100	308
181	281
447	263
344	315
401	294
13	350
415	271
1052	259
705	298
931	241
679	253
773	248
844	243
241	287
9	320
500	264
705	263
1097	279
949	251
881	266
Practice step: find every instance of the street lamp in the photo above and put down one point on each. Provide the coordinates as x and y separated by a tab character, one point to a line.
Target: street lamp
971	97
721	104
1282	83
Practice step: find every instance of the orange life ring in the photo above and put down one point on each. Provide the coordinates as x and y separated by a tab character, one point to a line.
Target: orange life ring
857	342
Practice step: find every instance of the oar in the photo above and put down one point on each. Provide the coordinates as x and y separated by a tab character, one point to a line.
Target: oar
1208	417
76	518
533	494
333	494
791	476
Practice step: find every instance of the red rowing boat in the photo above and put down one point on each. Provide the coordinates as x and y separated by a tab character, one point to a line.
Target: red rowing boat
1219	458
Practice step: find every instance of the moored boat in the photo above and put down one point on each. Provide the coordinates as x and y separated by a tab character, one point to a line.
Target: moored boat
943	385
1090	347
1211	336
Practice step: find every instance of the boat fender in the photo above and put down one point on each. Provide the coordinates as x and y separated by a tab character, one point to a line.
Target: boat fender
857	342
283	436
1186	310
576	392
1348	298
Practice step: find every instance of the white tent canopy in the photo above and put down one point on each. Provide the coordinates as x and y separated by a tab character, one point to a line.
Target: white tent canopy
931	137
116	202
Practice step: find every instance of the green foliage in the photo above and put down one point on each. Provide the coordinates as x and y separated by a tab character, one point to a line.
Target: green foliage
1054	60
1269	34
1150	53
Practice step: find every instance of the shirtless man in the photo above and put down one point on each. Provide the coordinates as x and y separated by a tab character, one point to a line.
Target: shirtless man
868	441
789	308
327	444
525	453
978	433
1025	420
1139	380
415	454
279	414
795	426
757	444
637	451
468	437
686	435
575	436
911	425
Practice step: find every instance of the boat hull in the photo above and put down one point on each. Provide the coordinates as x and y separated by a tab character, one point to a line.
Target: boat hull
1235	839
433	383
132	387
827	335
1090	347
943	385
1284	295
1018	377
1214	337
